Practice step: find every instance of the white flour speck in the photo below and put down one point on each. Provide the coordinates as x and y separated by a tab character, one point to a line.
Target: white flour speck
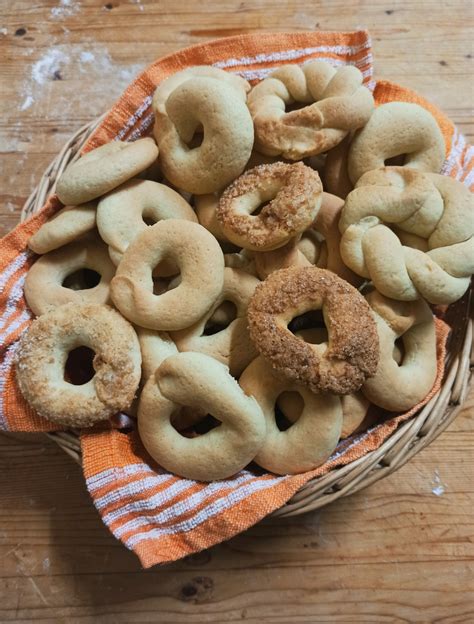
3	31
91	61
66	8
439	487
51	62
27	102
86	57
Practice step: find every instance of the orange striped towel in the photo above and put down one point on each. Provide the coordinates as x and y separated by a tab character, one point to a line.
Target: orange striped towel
159	516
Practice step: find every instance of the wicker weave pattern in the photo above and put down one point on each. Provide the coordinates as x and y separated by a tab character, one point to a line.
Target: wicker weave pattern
410	438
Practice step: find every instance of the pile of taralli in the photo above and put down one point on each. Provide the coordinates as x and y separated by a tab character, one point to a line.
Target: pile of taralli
208	284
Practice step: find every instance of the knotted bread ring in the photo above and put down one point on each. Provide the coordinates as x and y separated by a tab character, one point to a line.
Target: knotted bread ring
104	168
121	214
396	129
398	386
44	281
232	345
351	354
336	104
200	260
294	192
64	227
198	381
43	353
310	440
227	134
411	233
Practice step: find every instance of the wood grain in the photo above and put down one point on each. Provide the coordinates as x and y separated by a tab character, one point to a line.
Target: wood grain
396	552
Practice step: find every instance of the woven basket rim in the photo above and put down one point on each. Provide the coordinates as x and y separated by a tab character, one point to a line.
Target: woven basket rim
406	441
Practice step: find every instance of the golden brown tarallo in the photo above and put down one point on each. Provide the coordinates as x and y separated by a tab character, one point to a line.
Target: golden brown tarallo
314	435
45	282
105	168
351	355
293	192
198	381
334	103
43	354
208	101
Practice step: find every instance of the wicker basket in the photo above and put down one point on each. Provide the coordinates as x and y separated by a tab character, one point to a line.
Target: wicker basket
400	447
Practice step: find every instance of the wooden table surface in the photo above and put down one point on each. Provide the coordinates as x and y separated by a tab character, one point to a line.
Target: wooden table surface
400	551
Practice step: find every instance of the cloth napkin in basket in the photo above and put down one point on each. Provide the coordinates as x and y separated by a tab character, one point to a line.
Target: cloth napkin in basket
159	516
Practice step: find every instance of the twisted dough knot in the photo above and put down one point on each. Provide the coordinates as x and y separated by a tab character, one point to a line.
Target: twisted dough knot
337	103
411	233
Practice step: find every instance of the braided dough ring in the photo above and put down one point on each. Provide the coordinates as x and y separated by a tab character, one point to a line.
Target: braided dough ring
43	353
411	233
394	129
44	281
227	141
294	192
198	256
198	381
350	356
64	227
336	104
231	346
104	168
399	386
312	438
121	214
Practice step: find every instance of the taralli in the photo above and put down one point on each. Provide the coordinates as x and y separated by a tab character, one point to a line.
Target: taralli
398	386
355	407
337	103
121	214
311	245
43	354
166	88
310	440
431	253
44	287
327	224
351	355
64	227
231	346
395	129
335	176
103	169
267	262
355	410
319	246
294	193
200	261
227	135
206	211
198	381
244	260
155	347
